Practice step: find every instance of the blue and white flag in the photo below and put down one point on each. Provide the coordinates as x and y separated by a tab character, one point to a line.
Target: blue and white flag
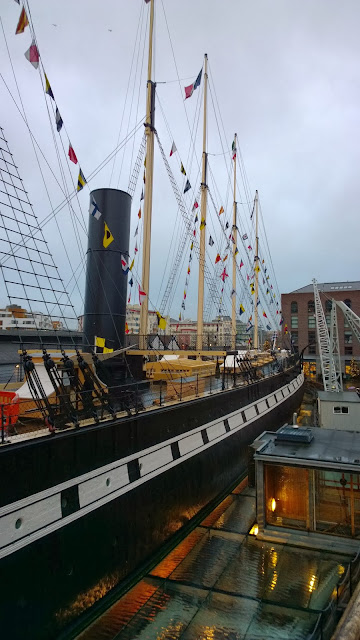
198	80
58	119
187	186
94	209
124	264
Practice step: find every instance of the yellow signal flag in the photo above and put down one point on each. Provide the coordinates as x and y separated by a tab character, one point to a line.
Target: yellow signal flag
226	257
23	22
108	236
183	169
99	342
161	321
107	350
132	264
221	211
257	268
81	181
202	223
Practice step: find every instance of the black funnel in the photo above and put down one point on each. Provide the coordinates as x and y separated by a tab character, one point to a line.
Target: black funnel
106	284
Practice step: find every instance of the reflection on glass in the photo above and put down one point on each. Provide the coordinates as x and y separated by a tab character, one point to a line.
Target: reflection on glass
313	500
286	496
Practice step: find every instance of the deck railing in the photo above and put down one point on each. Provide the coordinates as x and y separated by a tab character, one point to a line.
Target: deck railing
78	409
329	617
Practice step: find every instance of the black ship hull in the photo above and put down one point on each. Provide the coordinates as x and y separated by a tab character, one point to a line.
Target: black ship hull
81	511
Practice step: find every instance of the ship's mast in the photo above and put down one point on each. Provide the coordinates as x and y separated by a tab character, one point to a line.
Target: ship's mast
149	131
256	268
200	311
234	237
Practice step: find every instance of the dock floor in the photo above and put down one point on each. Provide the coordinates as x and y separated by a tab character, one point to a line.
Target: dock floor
220	583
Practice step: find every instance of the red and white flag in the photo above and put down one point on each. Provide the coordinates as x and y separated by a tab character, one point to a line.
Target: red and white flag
224	275
195	205
189	91
173	149
72	154
142	295
32	54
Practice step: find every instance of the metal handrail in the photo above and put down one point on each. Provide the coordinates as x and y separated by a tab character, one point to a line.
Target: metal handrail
346	581
132	398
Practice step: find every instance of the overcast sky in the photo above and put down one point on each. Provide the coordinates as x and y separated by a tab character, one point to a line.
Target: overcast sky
286	75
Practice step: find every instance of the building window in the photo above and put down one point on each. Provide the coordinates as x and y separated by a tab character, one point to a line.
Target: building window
311	306
348	302
328	305
327	319
312	342
341	410
294	307
294	322
311	322
348	337
348	351
294	337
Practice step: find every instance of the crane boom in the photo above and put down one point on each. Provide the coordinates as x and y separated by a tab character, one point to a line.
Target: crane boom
331	374
351	317
335	363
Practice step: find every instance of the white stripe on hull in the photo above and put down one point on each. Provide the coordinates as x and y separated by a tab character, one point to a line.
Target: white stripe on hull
27	520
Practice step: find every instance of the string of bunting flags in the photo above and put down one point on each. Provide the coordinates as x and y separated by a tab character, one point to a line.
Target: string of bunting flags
33	56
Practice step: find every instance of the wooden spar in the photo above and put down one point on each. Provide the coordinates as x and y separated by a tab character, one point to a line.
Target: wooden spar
256	268
234	237
149	131
200	309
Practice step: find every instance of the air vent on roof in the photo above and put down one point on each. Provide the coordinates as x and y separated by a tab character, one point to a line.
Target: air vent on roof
289	433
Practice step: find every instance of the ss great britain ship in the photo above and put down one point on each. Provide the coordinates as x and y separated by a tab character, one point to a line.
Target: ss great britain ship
102	462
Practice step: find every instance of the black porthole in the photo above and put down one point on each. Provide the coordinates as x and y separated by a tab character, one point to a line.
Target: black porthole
18	523
108	481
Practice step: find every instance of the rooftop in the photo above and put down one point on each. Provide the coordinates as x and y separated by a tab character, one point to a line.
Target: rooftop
340	396
330	287
328	448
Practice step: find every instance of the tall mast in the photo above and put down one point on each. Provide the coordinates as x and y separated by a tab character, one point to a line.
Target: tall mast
149	131
234	235
256	268
199	338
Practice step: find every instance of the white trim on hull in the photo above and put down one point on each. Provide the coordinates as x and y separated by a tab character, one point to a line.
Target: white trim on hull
32	518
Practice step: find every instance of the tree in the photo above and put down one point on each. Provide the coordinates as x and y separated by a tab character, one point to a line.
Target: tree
354	369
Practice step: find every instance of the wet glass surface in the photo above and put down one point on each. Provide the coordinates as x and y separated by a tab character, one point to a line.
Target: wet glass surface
219	584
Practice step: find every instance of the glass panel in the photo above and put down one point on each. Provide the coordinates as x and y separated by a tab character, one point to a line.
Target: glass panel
328	305
286	496
294	307
337	503
294	322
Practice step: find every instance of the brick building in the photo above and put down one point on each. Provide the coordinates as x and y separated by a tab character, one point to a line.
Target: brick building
298	308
